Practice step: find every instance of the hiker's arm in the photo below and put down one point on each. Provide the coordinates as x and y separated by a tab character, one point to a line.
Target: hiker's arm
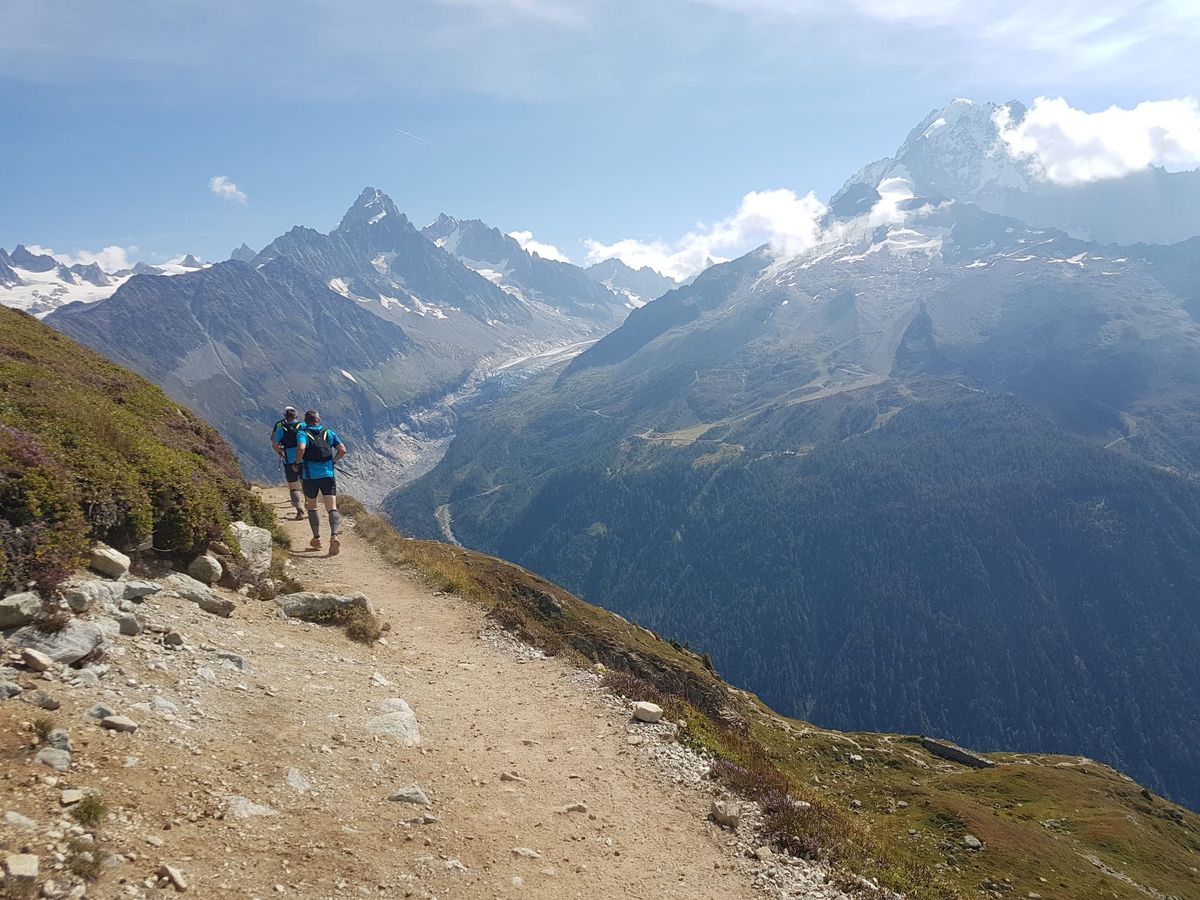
340	452
275	445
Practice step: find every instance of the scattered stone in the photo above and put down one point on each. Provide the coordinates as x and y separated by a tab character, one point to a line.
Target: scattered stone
647	712
206	569
164	707
70	798
59	760
22	868
108	561
972	843
296	780
455	865
856	759
16	820
727	813
8	689
119	723
60	739
100	711
856	804
42	700
398	721
129	625
82	596
36	660
256	547
89	677
233	660
526	853
173	638
410	794
138	590
763	853
511	776
245	808
19	609
199	593
174	877
379	681
574	808
315	607
67	645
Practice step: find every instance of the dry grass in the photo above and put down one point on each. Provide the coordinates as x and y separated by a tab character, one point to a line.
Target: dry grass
90	811
42	726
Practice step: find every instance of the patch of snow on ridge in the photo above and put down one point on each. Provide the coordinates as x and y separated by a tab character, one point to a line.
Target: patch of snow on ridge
339	285
382	262
375	218
348	375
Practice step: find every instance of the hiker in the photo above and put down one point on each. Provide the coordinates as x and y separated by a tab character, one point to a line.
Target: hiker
317	449
283	442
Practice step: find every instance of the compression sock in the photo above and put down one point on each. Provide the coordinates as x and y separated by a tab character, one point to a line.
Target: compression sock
314	521
335	522
296	502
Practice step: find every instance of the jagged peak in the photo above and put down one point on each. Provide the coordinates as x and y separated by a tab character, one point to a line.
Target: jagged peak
372	207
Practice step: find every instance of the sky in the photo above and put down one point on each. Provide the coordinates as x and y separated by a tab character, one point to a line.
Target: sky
658	129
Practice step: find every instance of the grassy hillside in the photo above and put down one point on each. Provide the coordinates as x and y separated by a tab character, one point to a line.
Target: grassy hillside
880	805
90	451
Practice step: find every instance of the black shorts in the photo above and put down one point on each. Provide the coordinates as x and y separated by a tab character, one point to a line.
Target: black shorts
314	486
291	474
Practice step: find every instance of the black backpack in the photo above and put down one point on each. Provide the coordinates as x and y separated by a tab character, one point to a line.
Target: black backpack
289	432
317	448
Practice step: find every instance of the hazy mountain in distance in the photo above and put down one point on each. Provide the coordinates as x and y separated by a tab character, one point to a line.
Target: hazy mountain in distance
244	253
957	153
638	286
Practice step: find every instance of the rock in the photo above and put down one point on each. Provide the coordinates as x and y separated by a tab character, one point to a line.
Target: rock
89	677
644	711
173	638
108	561
398	722
206	569
36	660
455	865
526	853
70	798
59	760
764	853
100	711
244	808
727	813
233	660
8	689
256	546
856	759
954	753
164	707
16	820
203	596
67	645
60	739
315	607
42	700
972	843
296	780
22	868
19	609
410	794
574	808
119	723
82	596
129	625
139	590
174	877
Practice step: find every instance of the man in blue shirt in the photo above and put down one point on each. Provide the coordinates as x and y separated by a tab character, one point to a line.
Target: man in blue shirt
317	449
283	441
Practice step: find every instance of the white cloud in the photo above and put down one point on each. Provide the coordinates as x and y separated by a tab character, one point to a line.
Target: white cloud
1069	146
226	189
110	259
529	245
789	223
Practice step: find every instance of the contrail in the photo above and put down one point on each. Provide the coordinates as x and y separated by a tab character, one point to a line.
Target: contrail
415	137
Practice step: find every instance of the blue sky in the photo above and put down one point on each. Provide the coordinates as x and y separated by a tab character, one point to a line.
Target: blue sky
594	119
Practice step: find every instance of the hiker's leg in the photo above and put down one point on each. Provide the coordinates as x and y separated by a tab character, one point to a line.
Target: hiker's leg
310	503
335	517
293	483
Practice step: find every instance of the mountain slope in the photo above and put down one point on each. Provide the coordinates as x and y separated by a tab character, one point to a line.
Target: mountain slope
639	286
503	261
957	153
902	481
89	451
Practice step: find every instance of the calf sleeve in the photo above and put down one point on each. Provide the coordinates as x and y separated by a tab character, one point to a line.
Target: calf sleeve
296	500
335	522
314	521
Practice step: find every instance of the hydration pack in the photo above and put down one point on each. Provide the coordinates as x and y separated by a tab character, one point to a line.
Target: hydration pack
289	432
317	448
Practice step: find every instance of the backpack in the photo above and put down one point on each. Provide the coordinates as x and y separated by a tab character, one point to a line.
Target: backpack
289	432
317	448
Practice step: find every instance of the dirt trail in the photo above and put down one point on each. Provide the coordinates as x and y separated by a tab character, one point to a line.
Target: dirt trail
209	729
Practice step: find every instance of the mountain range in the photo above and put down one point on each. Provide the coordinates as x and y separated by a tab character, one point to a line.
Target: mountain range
938	473
389	334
